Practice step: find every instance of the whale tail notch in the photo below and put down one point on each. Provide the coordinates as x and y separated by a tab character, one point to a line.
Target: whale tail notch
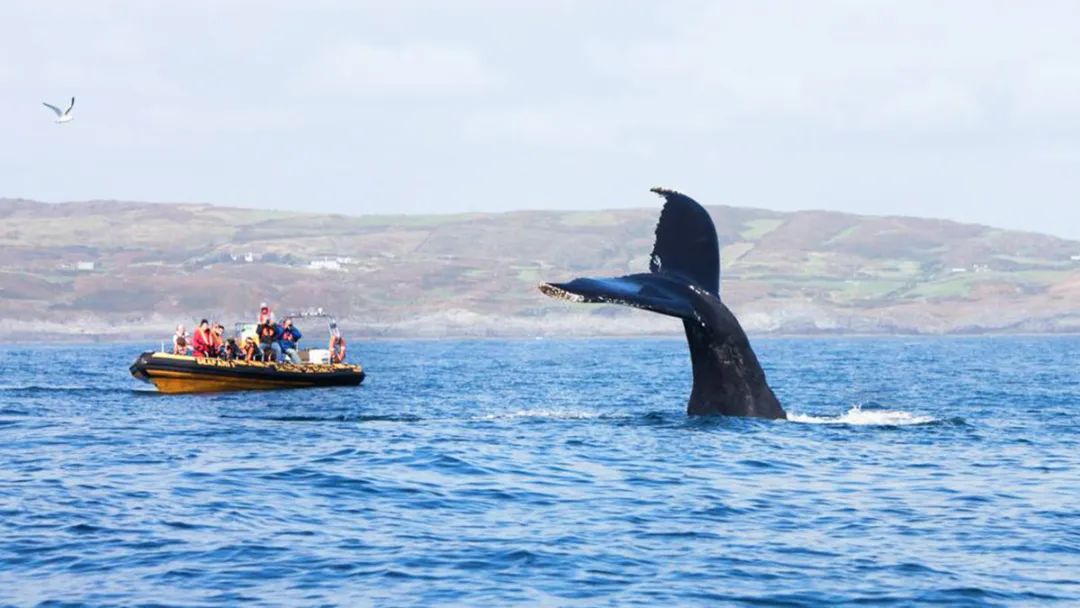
686	244
685	253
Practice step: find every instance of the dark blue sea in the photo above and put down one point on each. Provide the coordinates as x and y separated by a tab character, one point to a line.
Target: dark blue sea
550	472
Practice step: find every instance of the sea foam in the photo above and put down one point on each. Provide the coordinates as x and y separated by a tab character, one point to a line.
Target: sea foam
857	416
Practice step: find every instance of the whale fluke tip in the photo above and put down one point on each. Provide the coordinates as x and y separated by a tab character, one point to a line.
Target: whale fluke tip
553	291
666	192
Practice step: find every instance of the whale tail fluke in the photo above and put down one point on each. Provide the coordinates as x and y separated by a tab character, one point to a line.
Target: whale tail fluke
645	291
684	282
686	244
685	253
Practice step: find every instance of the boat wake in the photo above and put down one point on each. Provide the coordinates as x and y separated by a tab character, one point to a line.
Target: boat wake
857	416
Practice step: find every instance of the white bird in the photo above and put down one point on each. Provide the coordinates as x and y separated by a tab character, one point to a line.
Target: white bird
62	116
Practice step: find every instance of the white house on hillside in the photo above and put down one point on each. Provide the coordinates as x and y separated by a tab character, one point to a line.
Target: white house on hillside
326	265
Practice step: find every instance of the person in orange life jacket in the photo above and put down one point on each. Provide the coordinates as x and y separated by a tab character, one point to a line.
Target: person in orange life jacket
203	341
217	334
287	340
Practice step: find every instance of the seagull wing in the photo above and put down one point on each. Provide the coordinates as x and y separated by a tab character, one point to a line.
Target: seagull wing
53	108
68	111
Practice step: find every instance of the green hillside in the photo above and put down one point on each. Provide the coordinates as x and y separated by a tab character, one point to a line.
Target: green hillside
117	268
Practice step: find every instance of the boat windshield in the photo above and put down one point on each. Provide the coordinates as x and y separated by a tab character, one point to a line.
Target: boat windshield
242	331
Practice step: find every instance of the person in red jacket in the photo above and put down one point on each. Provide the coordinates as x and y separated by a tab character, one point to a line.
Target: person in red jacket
203	341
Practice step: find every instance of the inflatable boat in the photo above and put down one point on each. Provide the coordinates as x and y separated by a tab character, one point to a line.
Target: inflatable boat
186	374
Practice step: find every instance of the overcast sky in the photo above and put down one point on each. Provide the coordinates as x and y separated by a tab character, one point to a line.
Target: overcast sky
963	110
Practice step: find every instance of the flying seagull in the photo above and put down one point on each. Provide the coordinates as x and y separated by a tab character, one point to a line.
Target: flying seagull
61	116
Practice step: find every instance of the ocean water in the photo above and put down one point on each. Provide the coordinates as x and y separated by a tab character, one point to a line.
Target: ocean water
550	472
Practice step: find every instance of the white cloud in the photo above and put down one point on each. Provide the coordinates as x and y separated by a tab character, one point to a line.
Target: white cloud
1049	91
9	73
566	125
968	108
366	70
936	105
864	66
593	122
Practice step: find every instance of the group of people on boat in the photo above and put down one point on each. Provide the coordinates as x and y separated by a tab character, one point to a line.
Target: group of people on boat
270	341
277	341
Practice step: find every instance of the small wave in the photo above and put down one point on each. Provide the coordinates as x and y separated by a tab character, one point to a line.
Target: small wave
37	388
337	418
857	416
554	414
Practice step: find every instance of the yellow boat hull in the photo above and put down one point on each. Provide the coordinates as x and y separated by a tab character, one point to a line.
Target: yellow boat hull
184	374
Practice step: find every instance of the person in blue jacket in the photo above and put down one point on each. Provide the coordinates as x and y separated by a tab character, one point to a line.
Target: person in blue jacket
288	337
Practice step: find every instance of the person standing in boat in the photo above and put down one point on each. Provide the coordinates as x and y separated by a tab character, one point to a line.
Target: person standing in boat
203	341
290	335
337	347
265	314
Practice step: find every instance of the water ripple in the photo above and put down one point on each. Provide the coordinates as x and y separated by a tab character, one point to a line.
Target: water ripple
931	471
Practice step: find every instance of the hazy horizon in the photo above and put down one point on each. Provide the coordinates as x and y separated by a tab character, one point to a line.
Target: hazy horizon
968	111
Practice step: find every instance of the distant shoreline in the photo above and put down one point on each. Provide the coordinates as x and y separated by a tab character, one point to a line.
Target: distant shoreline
60	340
115	271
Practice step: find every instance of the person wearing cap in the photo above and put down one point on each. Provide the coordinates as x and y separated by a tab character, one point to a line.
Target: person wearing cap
265	314
337	348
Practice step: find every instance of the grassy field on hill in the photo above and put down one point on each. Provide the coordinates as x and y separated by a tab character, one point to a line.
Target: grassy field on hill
116	268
